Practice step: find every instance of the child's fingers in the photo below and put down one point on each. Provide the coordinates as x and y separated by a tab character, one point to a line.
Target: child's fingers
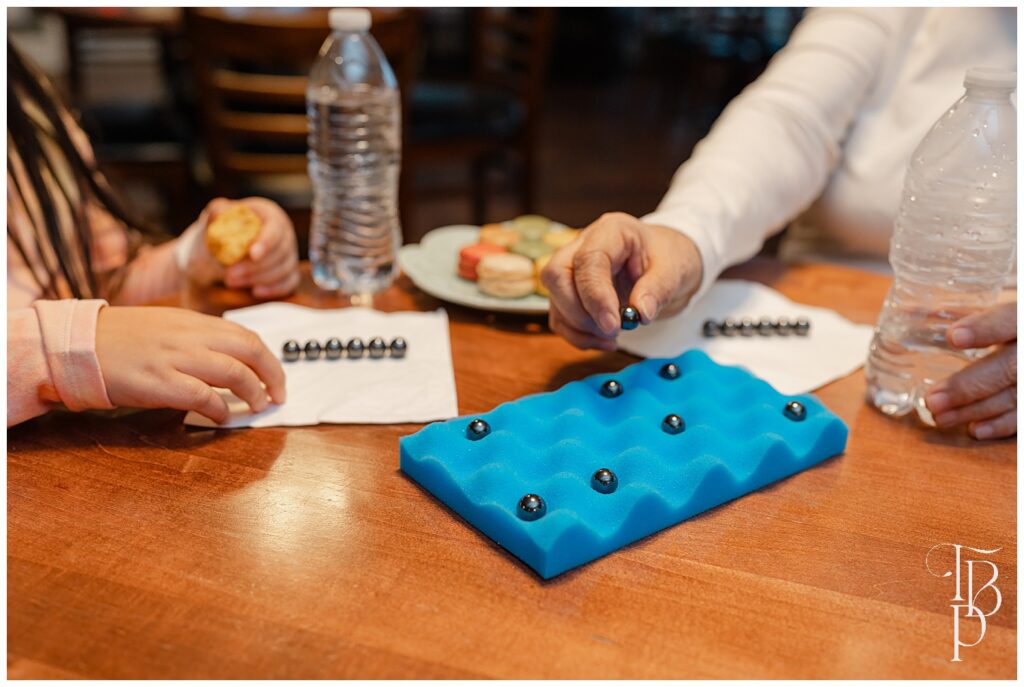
188	393
275	273
239	275
225	372
217	206
279	288
271	251
273	235
250	275
277	228
247	347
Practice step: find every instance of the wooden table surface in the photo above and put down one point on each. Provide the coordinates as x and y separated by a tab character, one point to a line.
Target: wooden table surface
140	548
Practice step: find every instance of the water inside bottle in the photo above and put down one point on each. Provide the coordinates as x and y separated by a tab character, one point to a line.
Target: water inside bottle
909	353
354	158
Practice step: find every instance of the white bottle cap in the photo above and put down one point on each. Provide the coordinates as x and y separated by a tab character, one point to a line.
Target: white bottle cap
349	19
990	77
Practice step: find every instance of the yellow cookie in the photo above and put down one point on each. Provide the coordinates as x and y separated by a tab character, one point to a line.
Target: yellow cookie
231	232
538	265
498	235
560	237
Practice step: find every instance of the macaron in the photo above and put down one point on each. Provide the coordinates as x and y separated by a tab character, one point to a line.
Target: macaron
498	235
556	238
470	256
532	249
506	275
538	267
531	227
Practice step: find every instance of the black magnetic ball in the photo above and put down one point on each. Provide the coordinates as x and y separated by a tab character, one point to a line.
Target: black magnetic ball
611	389
673	424
730	327
531	507
630	317
398	347
784	326
477	429
802	327
669	371
795	411
355	348
604	481
291	351
747	327
377	347
711	328
334	348
312	349
765	327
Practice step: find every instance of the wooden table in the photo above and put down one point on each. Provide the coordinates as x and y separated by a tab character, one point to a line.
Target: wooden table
140	548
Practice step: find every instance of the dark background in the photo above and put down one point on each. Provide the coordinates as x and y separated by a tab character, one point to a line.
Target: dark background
627	95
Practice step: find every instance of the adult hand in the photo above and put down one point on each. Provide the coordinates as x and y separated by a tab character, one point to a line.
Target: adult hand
618	260
270	270
983	394
173	358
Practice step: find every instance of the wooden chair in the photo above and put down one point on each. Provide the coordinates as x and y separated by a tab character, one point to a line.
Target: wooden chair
494	116
124	83
251	67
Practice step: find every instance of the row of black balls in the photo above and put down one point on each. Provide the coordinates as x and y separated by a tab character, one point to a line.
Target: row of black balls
748	327
334	348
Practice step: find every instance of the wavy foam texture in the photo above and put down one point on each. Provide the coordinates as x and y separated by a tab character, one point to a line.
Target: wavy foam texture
736	440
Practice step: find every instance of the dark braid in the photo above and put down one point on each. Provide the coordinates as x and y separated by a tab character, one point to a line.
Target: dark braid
60	257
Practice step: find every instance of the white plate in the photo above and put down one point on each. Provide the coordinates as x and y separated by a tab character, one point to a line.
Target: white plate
431	264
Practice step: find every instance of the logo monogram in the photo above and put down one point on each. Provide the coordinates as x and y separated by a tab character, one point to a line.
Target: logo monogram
965	603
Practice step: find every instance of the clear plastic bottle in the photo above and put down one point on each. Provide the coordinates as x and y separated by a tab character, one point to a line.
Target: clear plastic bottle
354	157
953	245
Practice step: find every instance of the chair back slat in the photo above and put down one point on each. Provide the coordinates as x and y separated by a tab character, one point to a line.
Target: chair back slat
291	128
260	88
512	50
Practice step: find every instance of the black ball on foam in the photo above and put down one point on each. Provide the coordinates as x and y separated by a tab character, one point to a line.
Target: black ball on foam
531	507
604	481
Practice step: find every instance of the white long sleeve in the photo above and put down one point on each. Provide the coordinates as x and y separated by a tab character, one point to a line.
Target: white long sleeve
770	154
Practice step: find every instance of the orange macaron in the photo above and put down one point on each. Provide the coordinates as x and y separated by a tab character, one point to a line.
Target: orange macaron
471	255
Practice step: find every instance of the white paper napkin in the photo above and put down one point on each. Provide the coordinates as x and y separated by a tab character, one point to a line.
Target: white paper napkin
418	388
793	364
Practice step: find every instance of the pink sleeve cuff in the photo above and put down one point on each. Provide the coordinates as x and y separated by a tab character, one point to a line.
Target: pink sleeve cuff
68	328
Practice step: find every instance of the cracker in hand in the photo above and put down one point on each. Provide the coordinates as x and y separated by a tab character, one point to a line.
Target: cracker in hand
230	234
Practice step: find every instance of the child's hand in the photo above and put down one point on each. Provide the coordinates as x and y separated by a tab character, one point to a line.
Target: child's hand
173	358
271	268
983	394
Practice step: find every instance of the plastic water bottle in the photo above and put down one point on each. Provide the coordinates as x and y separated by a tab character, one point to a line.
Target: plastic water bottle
354	157
953	245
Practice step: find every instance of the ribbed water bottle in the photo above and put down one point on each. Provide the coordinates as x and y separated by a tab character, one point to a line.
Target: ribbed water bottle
953	245
354	157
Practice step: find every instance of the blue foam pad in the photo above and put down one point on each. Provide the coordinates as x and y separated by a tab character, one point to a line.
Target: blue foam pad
737	438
